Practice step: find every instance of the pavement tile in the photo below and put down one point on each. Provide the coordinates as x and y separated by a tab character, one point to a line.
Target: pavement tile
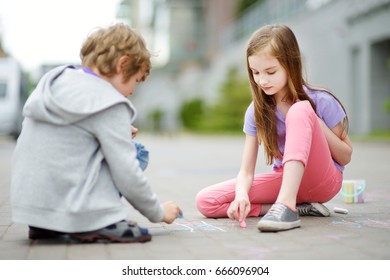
196	162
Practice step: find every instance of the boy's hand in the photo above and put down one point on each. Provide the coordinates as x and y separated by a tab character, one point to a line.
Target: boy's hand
134	131
171	212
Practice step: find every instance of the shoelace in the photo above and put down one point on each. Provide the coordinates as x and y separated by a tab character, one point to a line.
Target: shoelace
277	210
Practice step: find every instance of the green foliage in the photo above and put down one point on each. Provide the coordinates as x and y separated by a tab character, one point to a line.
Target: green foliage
387	102
242	5
191	114
387	105
156	117
227	115
233	102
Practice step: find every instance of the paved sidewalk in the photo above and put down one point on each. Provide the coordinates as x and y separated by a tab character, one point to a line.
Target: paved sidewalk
182	165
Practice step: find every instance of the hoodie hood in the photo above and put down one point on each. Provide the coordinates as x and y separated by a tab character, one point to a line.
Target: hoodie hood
66	95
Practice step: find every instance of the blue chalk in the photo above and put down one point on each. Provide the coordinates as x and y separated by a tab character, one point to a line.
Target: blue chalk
180	215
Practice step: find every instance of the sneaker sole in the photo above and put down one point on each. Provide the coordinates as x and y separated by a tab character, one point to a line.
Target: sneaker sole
94	237
35	234
321	208
277	226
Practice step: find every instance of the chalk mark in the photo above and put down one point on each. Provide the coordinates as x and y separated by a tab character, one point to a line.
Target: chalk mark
203	226
360	223
207	226
188	228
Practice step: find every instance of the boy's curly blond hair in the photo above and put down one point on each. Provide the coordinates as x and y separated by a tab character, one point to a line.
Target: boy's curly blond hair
103	48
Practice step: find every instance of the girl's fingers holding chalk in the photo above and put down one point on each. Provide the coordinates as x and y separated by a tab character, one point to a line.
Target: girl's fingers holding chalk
232	212
244	210
241	217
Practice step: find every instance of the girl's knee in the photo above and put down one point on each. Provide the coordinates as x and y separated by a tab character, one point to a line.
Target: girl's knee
208	204
301	109
301	106
202	202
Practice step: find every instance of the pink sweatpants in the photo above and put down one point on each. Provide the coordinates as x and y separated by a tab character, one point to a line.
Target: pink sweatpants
305	142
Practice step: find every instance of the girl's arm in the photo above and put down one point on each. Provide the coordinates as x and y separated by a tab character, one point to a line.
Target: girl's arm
341	149
240	207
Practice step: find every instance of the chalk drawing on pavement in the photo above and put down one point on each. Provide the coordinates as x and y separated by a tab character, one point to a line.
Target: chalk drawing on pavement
193	226
361	223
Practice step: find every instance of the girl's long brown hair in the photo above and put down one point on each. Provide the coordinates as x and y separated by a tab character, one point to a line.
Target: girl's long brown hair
280	42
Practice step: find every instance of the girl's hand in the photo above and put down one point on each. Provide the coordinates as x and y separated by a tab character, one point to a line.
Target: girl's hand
171	212
340	147
239	208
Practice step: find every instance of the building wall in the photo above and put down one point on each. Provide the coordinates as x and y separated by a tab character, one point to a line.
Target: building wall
380	84
345	49
370	35
345	46
194	28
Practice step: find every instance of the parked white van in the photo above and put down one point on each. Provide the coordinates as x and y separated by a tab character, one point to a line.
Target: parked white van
13	94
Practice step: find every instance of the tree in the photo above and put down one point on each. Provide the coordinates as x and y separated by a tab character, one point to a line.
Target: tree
227	115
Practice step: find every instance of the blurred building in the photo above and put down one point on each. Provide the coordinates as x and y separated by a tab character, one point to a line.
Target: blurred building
2	52
345	45
184	36
181	31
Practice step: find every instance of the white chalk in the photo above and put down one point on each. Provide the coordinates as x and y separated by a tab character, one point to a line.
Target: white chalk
340	210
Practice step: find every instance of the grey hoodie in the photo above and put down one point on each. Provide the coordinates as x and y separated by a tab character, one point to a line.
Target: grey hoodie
75	155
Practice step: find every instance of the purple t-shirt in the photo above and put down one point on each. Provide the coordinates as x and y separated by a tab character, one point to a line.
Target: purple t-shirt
328	109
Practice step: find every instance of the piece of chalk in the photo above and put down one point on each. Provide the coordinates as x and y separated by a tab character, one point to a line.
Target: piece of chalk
340	210
243	224
180	216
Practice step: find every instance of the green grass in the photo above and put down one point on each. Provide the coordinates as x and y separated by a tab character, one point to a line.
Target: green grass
380	135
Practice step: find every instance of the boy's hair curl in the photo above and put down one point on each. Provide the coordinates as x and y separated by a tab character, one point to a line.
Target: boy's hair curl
105	46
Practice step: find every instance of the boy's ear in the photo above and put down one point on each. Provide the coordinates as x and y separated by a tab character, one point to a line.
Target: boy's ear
122	60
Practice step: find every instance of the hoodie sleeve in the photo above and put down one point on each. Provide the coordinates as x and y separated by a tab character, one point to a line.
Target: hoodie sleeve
112	129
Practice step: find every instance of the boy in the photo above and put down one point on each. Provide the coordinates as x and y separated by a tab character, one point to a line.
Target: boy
75	155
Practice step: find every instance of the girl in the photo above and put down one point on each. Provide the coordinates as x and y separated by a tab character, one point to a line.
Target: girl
303	131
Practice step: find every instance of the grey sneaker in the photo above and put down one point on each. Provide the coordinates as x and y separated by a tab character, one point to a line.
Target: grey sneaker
279	217
313	209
